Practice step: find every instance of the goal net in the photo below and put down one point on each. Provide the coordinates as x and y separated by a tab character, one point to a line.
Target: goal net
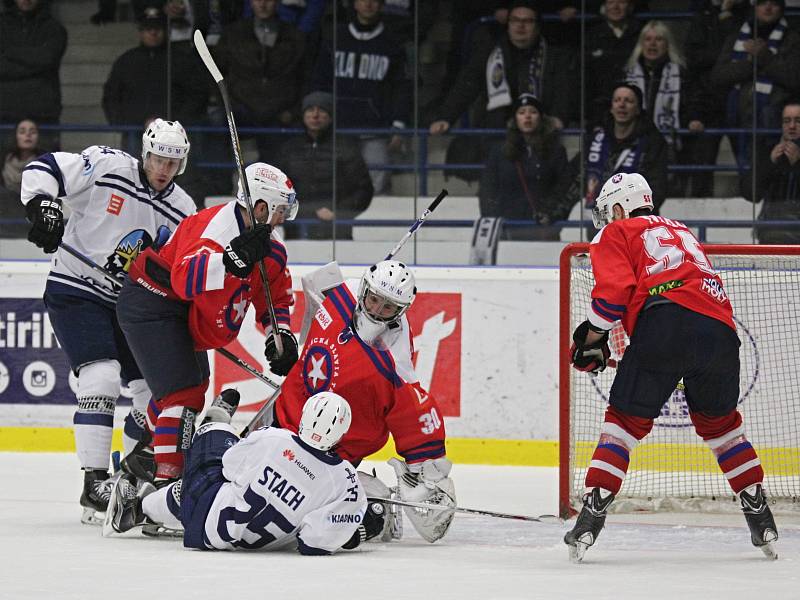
672	468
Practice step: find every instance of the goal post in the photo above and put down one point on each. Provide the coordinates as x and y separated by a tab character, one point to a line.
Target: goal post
672	469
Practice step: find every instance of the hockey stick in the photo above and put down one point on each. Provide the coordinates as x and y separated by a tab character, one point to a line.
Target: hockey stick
471	511
205	55
259	416
417	224
118	284
256	421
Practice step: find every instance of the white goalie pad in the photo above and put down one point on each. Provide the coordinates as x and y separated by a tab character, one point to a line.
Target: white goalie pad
432	524
315	284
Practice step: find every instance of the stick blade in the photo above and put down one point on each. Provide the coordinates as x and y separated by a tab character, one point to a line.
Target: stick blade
205	55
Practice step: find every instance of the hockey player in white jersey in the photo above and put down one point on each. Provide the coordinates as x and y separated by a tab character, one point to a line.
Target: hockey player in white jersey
270	490
118	207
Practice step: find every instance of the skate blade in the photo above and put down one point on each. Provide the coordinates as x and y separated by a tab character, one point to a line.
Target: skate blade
91	517
108	521
769	551
154	530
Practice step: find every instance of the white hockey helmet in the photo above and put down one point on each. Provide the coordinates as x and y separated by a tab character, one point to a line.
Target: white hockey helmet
271	185
326	418
386	291
629	190
167	139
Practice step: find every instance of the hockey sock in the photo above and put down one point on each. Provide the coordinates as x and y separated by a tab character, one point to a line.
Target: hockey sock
164	505
735	455
98	389
174	416
619	435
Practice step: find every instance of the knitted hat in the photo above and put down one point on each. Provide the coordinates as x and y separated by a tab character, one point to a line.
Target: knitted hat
323	100
527	99
153	18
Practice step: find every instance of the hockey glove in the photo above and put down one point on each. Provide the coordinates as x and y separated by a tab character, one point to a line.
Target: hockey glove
281	365
371	526
245	250
47	223
590	358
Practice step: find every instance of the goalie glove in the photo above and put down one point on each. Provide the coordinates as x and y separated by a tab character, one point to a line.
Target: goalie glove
427	482
47	222
281	365
590	358
246	249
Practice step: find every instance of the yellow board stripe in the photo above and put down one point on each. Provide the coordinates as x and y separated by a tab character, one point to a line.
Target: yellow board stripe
476	451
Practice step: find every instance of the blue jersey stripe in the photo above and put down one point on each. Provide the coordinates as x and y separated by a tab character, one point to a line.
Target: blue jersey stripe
159	197
50	160
433	452
93	419
72	281
604	313
190	276
612	307
201	273
616	449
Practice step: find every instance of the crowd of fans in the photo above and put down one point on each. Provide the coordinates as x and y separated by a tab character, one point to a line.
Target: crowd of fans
644	100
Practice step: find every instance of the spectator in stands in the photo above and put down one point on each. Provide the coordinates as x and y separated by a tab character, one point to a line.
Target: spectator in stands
777	175
327	195
628	142
32	44
24	148
527	176
520	61
609	44
709	27
136	89
262	61
656	67
763	42
373	89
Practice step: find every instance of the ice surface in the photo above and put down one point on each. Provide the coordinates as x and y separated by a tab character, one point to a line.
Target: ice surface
48	553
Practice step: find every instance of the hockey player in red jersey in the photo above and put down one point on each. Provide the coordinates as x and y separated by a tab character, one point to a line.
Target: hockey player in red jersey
192	295
361	348
652	274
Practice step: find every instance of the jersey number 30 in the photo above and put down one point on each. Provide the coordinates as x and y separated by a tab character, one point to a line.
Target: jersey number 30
431	421
670	248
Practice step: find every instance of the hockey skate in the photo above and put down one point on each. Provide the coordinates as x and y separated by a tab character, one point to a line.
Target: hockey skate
96	492
125	505
589	523
222	408
763	531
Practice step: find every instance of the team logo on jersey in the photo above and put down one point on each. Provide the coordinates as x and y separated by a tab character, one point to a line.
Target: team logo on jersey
129	247
675	412
236	308
320	366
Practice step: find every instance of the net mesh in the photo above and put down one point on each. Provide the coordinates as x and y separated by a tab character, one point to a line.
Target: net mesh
672	468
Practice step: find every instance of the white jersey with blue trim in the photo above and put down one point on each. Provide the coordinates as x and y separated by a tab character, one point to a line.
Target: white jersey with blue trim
280	490
115	213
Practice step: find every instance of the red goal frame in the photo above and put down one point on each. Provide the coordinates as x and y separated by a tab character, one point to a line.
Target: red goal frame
565	339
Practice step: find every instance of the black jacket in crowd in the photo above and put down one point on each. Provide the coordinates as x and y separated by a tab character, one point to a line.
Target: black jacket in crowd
604	64
264	81
309	163
373	88
31	47
778	185
559	84
136	88
546	174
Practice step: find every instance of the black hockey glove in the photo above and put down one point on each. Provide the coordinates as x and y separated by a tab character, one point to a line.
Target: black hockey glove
47	222
246	250
371	526
591	358
281	365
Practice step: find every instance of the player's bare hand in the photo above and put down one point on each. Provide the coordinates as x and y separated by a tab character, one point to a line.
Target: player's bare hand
439	127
